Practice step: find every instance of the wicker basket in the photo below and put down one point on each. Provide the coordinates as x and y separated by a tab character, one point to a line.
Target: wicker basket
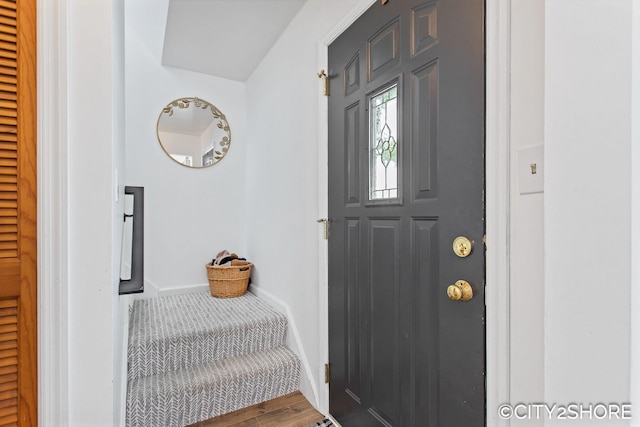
228	281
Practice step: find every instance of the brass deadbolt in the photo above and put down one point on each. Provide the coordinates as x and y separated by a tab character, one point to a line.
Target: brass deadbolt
462	246
460	291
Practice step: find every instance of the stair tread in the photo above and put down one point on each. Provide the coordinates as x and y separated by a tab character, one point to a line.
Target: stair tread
203	391
168	316
175	332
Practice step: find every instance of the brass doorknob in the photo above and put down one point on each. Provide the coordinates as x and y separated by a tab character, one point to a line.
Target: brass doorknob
460	291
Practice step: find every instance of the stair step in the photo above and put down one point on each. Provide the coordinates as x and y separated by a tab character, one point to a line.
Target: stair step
181	331
194	394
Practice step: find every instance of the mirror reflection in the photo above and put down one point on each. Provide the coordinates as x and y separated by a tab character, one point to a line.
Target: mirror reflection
193	132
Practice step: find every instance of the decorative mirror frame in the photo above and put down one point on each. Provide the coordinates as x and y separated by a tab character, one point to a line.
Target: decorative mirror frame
219	149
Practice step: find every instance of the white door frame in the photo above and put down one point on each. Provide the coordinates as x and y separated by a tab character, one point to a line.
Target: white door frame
498	36
53	356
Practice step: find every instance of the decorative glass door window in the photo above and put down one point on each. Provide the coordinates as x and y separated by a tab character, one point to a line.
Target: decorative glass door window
383	145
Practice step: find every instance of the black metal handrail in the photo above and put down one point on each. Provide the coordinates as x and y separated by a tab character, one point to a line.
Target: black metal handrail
135	284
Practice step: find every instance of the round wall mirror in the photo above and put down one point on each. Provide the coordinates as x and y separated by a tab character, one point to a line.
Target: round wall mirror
193	132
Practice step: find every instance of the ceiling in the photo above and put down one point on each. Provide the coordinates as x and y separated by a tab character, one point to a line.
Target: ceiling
224	38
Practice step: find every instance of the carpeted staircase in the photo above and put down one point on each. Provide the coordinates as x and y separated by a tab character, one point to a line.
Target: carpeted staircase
192	357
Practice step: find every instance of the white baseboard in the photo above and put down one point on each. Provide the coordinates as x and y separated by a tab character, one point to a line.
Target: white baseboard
188	289
307	384
125	306
151	290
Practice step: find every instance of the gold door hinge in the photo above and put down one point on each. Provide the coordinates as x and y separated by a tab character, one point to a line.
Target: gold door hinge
323	75
384	2
327	373
325	224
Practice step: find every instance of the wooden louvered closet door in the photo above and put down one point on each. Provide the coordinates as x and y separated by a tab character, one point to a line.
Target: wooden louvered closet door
18	274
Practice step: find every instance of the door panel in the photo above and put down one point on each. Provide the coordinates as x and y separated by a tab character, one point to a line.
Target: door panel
424	132
353	314
426	351
384	349
401	352
383	51
424	27
352	154
352	75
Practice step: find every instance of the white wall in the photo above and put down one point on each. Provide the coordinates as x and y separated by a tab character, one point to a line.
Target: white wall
527	215
190	214
282	169
587	201
95	151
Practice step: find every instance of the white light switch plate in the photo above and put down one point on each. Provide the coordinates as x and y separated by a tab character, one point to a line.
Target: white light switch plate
531	169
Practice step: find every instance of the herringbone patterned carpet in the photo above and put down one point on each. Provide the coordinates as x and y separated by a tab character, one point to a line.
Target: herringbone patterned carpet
192	357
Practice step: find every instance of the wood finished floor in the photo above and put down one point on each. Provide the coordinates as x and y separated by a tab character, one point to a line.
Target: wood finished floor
292	410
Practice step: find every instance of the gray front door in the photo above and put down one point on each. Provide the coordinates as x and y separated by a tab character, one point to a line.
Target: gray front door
406	178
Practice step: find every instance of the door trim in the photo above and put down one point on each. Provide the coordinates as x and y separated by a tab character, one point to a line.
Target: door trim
53	401
498	187
498	59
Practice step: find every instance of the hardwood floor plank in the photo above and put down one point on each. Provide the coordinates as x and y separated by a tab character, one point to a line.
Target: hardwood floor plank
300	414
292	410
253	422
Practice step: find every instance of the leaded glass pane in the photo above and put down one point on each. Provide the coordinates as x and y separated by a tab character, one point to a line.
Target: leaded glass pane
383	145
